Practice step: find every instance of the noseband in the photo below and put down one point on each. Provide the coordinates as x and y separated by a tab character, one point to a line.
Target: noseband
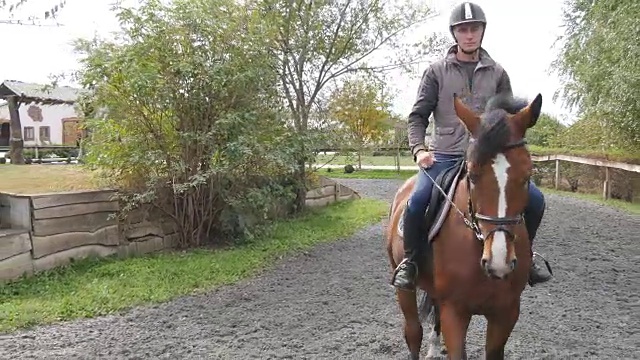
500	222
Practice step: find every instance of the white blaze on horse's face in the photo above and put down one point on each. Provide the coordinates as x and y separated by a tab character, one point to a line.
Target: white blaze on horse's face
498	261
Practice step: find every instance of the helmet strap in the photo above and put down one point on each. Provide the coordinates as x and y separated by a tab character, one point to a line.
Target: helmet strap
469	52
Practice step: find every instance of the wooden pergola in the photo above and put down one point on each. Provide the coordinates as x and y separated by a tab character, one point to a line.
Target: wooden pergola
17	93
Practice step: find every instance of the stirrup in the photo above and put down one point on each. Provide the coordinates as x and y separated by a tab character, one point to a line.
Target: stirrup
407	262
546	263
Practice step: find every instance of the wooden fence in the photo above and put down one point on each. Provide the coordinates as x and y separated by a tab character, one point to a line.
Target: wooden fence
606	164
45	231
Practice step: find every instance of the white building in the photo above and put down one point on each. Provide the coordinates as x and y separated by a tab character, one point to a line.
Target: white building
49	120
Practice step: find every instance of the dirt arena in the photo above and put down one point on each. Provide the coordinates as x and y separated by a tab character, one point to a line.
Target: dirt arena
335	303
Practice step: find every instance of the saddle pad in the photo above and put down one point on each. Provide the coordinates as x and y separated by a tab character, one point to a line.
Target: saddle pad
443	204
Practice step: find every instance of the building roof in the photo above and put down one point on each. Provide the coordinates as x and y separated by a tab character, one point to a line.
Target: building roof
39	93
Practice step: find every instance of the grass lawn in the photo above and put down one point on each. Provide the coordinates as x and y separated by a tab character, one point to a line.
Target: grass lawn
91	288
368	174
44	178
633	208
366	160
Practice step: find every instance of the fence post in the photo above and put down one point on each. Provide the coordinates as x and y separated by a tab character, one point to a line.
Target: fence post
395	159
606	187
557	174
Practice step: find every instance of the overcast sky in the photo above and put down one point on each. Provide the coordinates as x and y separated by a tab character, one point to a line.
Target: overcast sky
520	35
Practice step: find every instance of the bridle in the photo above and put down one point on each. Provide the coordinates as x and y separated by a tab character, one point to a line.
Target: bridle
473	219
500	222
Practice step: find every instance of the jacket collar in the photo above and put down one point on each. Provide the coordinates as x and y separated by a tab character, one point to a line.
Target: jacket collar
485	58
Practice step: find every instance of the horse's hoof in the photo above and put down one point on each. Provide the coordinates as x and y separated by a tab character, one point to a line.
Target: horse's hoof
436	357
435	354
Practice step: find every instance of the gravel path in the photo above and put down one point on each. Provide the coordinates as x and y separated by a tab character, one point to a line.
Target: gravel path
335	303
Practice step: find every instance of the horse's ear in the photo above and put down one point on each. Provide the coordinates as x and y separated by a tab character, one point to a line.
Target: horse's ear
470	119
528	116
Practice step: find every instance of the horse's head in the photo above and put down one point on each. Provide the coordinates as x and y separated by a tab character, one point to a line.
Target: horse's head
499	167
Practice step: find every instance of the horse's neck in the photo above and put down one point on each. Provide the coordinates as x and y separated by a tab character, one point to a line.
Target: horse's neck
461	197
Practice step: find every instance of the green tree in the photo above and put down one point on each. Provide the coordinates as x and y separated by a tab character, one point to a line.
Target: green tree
9	7
361	107
185	116
585	134
547	128
317	42
599	65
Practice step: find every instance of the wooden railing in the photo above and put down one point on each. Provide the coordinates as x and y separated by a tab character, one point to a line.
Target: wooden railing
606	164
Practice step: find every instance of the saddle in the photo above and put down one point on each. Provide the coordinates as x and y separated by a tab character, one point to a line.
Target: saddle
438	206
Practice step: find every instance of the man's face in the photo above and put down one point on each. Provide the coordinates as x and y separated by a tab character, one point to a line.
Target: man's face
468	35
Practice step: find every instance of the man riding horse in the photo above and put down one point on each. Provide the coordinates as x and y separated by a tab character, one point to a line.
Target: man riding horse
469	71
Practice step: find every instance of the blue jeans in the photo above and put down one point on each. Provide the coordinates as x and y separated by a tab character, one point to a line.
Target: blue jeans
419	199
534	211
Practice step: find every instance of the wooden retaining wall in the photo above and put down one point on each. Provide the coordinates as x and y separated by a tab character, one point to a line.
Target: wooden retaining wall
329	192
72	226
45	231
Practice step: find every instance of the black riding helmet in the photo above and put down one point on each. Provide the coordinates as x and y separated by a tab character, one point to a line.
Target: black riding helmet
467	12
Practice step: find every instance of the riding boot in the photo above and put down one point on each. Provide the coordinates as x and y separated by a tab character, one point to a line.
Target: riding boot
406	272
536	274
532	220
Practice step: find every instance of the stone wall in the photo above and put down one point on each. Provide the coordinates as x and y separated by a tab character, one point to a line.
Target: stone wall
45	231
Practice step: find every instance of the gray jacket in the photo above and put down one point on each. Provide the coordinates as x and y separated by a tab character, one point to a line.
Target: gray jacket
435	95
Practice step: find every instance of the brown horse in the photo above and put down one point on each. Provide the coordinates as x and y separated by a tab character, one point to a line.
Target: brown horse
478	261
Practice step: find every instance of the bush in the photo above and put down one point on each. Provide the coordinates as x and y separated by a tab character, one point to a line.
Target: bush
188	126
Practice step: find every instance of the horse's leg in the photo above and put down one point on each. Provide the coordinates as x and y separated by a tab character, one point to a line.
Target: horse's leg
454	330
412	325
499	327
436	345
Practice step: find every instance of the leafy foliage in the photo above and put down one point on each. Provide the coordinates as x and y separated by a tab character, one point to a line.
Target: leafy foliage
184	115
318	42
545	131
363	110
600	65
13	6
591	138
584	133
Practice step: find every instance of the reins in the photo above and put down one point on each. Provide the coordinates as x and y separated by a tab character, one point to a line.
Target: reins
473	218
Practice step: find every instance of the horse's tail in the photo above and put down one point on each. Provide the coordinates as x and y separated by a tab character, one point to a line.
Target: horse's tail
425	306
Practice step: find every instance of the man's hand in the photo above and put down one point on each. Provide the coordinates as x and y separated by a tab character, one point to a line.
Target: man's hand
424	159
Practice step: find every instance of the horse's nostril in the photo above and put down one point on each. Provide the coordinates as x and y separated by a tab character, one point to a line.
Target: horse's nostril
483	262
514	263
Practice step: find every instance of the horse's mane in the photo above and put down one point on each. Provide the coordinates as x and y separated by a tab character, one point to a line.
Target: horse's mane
494	130
506	102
